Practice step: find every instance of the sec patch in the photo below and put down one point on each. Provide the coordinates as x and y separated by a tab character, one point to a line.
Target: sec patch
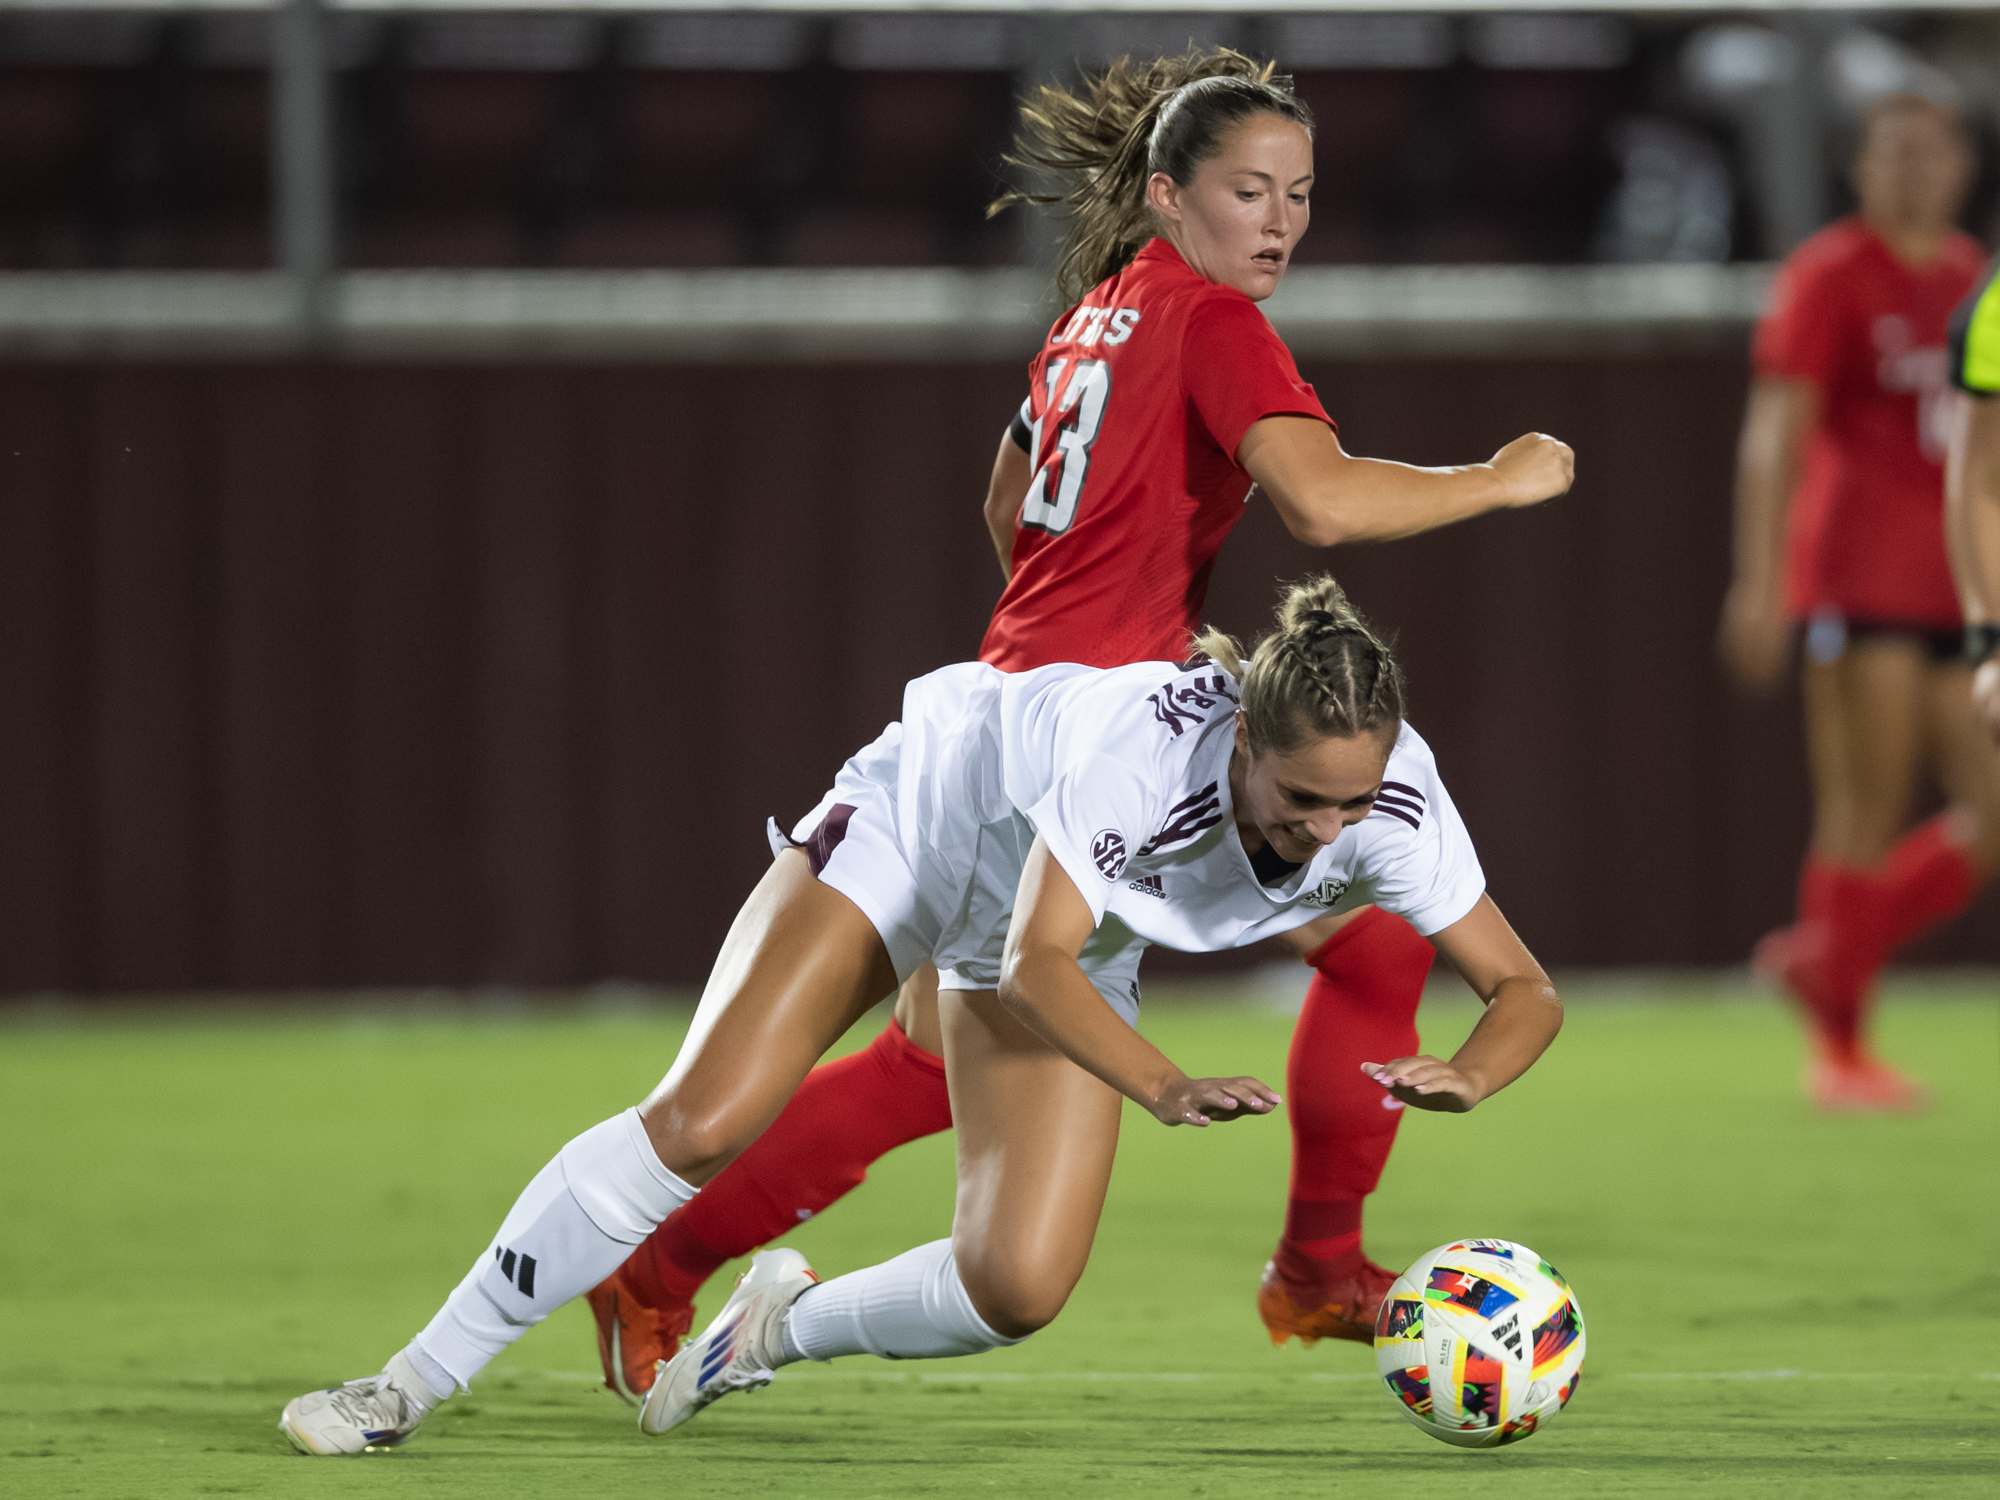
1107	852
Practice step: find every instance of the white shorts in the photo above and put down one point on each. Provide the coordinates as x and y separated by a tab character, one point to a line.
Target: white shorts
947	896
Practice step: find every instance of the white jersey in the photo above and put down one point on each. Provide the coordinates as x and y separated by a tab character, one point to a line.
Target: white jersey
1124	774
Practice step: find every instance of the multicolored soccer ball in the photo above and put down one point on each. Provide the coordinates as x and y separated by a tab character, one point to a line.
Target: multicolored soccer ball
1480	1342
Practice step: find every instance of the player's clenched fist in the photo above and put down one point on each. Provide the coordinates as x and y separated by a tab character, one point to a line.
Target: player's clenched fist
1535	467
1425	1083
1202	1101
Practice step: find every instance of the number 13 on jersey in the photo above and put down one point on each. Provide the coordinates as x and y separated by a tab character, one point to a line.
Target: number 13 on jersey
1076	406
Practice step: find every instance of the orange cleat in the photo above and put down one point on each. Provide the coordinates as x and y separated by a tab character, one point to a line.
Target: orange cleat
632	1338
1295	1304
1865	1086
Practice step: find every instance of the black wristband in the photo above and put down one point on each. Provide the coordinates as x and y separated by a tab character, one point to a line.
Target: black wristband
1022	431
1982	641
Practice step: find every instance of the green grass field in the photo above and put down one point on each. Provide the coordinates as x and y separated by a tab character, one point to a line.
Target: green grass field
202	1218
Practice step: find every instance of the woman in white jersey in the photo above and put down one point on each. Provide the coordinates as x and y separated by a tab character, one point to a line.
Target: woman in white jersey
1030	833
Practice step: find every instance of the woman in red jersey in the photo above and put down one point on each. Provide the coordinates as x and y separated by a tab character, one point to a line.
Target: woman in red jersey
1159	396
1839	524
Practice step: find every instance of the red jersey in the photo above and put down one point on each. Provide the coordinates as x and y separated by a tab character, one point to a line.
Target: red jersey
1136	405
1867	524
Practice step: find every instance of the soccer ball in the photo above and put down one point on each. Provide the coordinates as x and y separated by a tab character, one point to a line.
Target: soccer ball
1480	1342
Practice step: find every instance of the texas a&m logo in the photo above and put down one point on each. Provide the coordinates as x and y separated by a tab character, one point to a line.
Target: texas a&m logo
1107	852
1330	891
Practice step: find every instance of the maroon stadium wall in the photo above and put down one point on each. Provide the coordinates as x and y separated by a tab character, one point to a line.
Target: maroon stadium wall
390	675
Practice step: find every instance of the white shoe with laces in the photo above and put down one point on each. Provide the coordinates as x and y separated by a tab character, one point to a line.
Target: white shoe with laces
379	1411
739	1351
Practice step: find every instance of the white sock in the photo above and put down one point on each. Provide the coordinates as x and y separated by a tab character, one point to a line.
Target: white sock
435	1383
912	1307
574	1225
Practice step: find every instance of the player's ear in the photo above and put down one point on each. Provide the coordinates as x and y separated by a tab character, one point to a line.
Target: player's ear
1164	194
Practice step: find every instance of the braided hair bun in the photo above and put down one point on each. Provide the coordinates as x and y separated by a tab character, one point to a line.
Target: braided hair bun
1322	674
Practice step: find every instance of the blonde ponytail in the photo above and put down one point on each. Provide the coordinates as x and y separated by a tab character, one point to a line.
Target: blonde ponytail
1221	648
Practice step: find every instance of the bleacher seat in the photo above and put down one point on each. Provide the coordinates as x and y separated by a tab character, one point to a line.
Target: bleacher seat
678	166
1362	120
465	142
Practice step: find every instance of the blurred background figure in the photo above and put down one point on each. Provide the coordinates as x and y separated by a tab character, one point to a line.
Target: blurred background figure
1839	524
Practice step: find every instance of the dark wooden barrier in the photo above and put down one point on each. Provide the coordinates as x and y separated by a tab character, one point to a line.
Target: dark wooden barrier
369	674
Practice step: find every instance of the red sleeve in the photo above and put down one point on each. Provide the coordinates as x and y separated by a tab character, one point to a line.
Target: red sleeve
1237	371
1798	338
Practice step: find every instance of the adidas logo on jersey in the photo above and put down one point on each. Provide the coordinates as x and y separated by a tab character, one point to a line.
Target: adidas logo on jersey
1149	885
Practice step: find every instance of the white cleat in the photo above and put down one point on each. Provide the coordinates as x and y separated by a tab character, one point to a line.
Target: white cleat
361	1416
739	1351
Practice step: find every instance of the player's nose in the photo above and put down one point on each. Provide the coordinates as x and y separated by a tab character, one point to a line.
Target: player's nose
1325	829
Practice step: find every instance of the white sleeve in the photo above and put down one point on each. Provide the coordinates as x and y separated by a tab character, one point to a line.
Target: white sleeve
1093	819
1429	876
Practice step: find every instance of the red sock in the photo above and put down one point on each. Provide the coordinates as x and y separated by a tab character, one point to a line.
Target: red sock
1814	878
1865	915
845	1115
1854	950
1805	947
1361	1007
1927	879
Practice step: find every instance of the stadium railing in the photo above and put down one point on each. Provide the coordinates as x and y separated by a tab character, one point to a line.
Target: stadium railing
776	315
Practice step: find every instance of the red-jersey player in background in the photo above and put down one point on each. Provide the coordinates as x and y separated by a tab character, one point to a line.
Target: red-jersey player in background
1839	524
1158	398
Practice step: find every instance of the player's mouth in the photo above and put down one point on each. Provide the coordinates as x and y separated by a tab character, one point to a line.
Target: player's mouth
1270	260
1295	846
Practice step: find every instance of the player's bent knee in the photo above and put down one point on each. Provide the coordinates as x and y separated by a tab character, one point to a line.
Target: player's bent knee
1015	1305
696	1147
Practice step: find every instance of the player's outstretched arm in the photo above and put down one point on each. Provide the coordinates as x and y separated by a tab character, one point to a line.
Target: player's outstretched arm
1042	986
1326	496
1972	527
1756	638
1523	1015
